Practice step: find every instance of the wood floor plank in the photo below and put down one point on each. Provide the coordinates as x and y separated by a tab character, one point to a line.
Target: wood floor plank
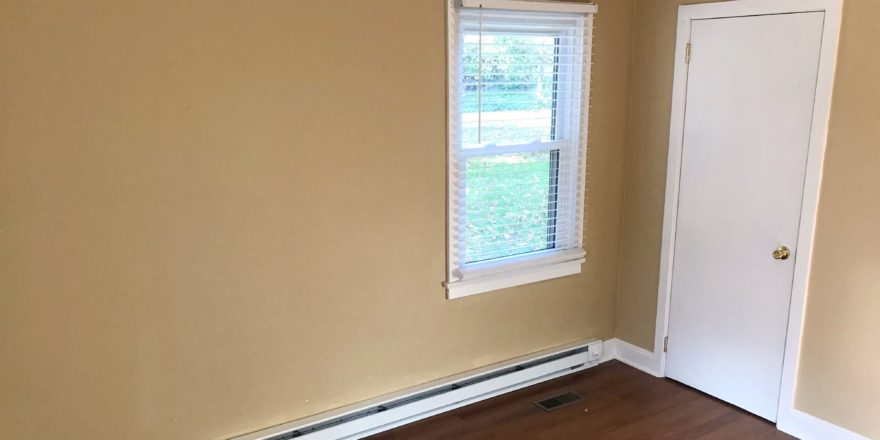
619	403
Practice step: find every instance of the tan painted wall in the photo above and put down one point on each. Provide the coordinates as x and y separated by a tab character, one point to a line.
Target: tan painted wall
645	170
838	380
217	216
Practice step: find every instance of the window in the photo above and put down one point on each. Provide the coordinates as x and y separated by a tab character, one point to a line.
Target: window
518	93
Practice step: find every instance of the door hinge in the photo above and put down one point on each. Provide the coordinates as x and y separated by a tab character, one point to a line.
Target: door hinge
687	52
665	344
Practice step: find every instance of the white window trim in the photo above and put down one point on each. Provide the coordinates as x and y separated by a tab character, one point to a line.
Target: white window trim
536	266
511	278
531	5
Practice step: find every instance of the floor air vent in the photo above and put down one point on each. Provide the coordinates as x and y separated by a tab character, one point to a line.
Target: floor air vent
558	401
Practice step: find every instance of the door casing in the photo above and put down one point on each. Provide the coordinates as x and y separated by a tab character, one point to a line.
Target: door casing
788	418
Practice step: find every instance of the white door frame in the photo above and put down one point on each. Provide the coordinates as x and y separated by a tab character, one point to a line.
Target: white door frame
788	419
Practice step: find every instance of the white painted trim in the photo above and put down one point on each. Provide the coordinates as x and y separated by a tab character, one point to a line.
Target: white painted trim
531	5
519	262
609	352
446	401
787	416
806	427
525	275
632	355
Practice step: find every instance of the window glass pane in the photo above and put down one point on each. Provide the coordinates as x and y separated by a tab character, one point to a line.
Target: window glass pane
514	89
511	204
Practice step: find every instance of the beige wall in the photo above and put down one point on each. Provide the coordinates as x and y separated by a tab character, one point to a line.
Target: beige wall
645	184
838	380
217	216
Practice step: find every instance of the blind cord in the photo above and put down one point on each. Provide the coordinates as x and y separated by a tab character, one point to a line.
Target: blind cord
480	82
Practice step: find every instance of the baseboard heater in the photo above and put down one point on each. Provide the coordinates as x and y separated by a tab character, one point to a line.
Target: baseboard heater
396	409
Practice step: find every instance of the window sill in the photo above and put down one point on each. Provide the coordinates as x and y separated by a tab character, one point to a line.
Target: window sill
517	276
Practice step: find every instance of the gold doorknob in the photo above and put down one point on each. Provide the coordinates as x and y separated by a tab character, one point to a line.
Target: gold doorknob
782	253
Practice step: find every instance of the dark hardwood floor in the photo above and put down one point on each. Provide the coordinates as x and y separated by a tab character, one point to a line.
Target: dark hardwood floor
619	402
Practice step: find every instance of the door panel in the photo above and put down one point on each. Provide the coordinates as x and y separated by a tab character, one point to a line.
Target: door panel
750	90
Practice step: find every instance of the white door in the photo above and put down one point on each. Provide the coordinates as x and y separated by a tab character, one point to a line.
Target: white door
750	88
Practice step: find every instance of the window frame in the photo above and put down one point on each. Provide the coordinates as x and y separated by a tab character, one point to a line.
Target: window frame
465	279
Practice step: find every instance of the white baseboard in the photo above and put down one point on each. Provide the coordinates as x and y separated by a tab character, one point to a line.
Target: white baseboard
634	356
807	427
609	351
793	422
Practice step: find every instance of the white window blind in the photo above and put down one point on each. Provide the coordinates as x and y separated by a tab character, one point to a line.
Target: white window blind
519	86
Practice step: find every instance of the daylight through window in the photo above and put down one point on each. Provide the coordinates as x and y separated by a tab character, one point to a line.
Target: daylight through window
519	83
